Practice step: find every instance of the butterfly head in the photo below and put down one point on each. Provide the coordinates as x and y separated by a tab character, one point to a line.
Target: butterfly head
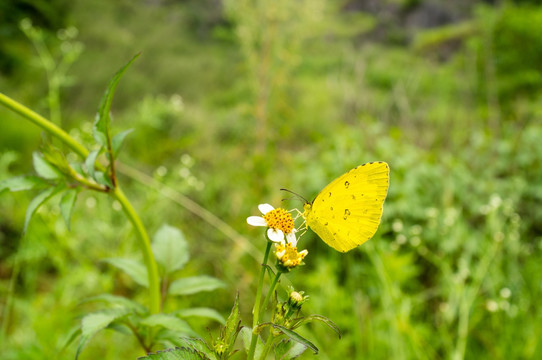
308	208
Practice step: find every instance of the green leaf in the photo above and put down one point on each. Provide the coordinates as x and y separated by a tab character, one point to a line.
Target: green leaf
102	179
286	350
320	318
197	344
66	205
116	301
121	328
55	158
95	322
167	338
194	284
294	336
170	248
201	312
22	183
118	140
90	161
233	322
74	334
38	201
176	354
43	168
101	129
246	335
169	322
133	268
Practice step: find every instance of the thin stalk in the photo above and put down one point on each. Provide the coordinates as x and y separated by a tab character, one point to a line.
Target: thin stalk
44	124
389	302
267	346
271	337
468	299
256	310
10	296
271	291
269	341
145	245
86	182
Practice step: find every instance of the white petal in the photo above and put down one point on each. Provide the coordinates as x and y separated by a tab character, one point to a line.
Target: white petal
256	221
275	235
265	208
291	239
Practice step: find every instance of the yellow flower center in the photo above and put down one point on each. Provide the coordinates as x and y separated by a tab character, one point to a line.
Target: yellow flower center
288	255
280	219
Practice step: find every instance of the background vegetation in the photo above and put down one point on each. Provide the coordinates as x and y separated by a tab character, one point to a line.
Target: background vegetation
232	100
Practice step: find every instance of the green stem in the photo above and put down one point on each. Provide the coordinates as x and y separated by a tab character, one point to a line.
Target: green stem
271	291
267	346
270	338
44	124
145	245
117	193
10	297
256	310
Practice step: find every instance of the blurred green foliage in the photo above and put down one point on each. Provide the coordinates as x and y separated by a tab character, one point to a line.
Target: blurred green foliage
231	101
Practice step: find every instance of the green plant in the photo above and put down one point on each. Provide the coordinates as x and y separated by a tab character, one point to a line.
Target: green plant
59	178
282	337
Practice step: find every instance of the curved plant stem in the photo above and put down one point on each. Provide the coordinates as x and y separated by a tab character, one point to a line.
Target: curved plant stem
145	245
257	301
117	193
44	124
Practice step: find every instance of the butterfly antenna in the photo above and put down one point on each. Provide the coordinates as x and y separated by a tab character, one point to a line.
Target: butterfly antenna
296	195
288	198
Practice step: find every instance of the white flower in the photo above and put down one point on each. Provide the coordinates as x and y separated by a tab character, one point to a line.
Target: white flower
279	221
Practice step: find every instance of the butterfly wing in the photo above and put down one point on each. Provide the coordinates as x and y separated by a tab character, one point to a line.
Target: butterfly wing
347	212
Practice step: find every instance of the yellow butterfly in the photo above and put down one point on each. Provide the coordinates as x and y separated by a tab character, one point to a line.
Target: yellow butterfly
347	212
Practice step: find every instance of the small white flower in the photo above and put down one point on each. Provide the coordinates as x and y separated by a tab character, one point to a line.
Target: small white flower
259	220
275	235
279	222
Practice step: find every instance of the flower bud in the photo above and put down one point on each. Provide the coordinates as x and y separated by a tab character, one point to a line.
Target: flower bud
296	300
